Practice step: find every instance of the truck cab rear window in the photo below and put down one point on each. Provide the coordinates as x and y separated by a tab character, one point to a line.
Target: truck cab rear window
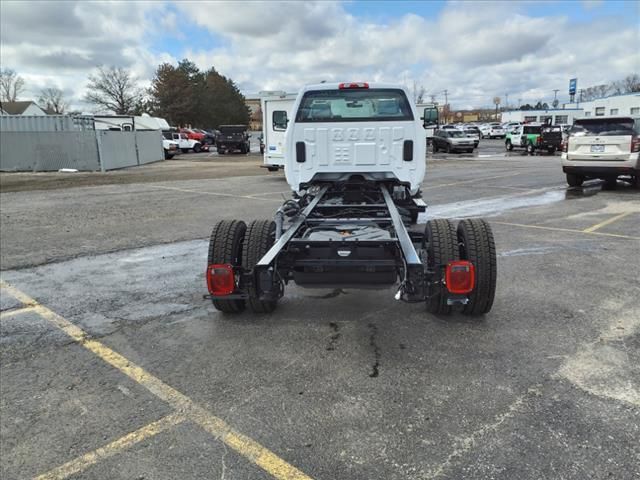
361	105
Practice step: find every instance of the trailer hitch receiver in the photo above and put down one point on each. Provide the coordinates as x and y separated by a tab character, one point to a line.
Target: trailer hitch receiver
220	279
460	277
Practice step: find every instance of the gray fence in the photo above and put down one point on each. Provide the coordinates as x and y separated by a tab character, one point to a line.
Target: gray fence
149	146
48	151
59	141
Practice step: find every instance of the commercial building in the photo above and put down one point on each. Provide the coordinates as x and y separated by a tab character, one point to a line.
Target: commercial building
625	104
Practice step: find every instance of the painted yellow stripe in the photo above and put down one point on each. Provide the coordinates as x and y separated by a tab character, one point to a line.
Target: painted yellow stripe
557	229
16	311
245	446
606	222
85	461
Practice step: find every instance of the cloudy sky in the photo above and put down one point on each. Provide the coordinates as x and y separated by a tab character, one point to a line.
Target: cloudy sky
476	50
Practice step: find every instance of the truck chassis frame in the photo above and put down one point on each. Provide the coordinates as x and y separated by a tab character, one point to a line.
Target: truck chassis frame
356	234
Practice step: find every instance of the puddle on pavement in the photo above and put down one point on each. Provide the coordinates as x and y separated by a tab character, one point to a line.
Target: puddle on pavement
491	207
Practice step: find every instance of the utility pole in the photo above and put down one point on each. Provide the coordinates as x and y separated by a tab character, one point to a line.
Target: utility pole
555	97
446	106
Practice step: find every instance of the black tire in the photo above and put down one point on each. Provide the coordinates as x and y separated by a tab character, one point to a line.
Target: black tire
221	151
469	150
197	148
434	147
272	169
167	155
225	246
477	245
184	150
530	149
442	248
257	241
261	150
551	151
448	148
574	180
508	145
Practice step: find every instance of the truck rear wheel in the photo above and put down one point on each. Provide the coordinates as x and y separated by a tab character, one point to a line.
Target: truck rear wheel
258	240
477	245
574	180
225	246
196	148
442	248
508	145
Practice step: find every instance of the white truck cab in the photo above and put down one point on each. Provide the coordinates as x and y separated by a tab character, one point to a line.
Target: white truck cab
340	129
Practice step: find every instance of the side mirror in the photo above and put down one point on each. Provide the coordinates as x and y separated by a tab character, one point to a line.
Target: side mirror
279	120
430	117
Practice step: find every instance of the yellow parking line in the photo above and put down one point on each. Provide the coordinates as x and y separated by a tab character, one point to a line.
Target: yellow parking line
245	446
85	461
558	229
606	222
16	311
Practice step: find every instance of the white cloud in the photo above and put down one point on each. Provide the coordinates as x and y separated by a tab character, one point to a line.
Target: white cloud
475	51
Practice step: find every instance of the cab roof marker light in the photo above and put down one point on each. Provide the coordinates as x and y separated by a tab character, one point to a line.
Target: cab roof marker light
345	86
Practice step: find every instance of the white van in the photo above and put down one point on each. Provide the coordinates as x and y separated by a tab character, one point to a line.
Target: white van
602	147
342	129
276	110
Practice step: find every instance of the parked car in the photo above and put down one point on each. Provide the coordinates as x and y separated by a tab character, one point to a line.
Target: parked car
496	131
473	132
484	130
603	147
525	136
452	141
209	138
261	140
233	138
187	144
550	139
193	134
169	145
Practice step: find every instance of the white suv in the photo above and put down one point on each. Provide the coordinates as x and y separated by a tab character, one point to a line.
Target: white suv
602	147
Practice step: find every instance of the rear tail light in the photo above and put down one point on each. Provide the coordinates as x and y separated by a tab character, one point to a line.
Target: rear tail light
460	277
564	146
635	144
344	86
539	140
220	279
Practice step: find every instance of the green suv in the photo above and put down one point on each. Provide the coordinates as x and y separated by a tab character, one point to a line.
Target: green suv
524	136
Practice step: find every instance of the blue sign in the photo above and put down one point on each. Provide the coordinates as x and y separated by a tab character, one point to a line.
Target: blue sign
573	86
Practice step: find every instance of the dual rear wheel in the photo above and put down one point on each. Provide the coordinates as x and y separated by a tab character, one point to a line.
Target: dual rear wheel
472	240
233	242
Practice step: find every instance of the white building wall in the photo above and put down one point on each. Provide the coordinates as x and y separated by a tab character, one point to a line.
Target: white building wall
559	116
628	104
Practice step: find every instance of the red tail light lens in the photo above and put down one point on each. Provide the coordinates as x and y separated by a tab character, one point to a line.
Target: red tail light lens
635	144
220	279
460	277
539	140
344	86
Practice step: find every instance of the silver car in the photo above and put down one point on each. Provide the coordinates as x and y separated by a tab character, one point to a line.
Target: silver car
452	141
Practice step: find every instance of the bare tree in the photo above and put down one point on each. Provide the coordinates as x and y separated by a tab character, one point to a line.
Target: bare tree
632	83
113	89
11	85
52	99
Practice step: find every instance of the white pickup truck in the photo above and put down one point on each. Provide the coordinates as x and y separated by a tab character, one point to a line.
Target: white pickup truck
355	159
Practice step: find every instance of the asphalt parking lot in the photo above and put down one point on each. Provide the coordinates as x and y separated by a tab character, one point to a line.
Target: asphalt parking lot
113	365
